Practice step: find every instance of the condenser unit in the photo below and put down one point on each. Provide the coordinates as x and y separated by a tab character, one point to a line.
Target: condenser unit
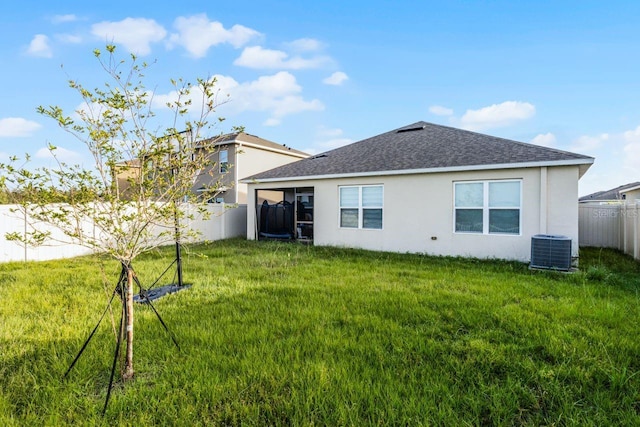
551	252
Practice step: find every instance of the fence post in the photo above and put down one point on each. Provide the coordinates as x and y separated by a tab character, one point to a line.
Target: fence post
26	258
624	228
636	237
223	222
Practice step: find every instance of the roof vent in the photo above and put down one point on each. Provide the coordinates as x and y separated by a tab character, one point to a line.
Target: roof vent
410	129
318	156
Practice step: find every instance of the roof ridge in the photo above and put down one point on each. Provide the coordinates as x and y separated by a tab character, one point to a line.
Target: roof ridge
528	144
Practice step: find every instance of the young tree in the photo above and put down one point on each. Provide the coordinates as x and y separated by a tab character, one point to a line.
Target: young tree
128	200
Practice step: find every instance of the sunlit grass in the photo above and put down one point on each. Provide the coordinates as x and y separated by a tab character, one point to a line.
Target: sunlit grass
281	334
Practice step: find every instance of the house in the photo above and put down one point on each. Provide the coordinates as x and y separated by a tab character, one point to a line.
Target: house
241	154
631	194
424	188
615	194
232	155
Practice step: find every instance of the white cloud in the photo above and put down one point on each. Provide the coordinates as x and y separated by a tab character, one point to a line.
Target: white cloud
197	34
497	115
39	46
545	139
61	19
277	94
12	127
62	154
587	144
258	57
336	79
272	121
135	34
305	45
439	110
336	143
328	132
329	144
69	38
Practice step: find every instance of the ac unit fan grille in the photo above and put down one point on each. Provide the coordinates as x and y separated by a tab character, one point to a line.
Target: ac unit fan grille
551	252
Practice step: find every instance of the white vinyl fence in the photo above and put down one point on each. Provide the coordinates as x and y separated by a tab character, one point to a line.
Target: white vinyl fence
610	226
225	222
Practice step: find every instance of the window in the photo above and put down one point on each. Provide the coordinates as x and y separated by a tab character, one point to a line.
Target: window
361	206
488	207
223	158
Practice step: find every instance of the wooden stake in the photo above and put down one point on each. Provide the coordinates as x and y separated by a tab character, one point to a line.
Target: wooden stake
128	363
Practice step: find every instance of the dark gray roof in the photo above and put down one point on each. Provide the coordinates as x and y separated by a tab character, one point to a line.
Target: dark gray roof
613	194
420	146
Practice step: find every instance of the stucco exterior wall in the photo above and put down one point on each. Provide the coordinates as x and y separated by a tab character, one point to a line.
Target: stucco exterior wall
562	204
632	195
247	161
418	213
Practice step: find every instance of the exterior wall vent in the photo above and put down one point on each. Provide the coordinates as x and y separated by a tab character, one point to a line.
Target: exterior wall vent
551	252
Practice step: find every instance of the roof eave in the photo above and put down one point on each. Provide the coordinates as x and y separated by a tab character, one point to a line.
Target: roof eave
297	154
626	190
238	140
583	164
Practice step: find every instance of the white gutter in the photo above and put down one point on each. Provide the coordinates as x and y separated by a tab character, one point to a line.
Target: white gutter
260	147
427	170
637	187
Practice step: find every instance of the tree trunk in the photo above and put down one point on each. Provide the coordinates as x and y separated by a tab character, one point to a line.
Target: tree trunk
128	361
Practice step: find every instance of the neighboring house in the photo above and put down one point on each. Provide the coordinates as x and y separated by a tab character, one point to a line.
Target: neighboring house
615	194
233	155
241	154
631	194
427	188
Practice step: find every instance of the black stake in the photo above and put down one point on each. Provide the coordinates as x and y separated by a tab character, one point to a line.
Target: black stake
86	343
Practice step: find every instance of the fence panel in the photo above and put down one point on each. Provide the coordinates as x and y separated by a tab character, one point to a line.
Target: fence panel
225	222
599	225
610	226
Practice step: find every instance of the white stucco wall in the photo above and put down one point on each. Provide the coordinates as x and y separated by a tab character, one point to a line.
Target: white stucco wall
418	213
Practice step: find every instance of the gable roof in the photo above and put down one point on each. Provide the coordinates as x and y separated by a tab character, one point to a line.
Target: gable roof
612	194
422	148
247	139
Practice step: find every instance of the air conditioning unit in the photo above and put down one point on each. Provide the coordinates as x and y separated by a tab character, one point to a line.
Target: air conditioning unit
551	252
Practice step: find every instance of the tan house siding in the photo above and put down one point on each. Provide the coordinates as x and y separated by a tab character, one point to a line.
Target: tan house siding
249	161
246	155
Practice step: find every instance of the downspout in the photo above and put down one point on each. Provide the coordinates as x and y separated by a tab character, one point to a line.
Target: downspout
543	200
235	172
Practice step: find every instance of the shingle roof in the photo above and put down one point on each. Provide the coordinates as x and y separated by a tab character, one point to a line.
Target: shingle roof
613	194
421	146
242	137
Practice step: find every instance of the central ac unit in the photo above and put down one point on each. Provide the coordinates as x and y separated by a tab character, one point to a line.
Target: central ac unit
551	252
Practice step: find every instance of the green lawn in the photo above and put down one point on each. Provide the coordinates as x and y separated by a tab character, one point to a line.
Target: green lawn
287	334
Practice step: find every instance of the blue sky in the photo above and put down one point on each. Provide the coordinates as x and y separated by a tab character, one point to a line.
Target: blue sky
317	75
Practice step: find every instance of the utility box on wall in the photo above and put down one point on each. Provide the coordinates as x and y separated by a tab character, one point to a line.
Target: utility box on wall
551	252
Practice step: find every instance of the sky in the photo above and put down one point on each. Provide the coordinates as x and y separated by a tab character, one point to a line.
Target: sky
318	75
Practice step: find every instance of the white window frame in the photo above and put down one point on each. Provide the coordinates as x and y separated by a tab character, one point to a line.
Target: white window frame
223	167
360	208
486	209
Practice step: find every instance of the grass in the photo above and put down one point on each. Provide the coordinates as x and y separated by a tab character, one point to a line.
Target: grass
285	334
